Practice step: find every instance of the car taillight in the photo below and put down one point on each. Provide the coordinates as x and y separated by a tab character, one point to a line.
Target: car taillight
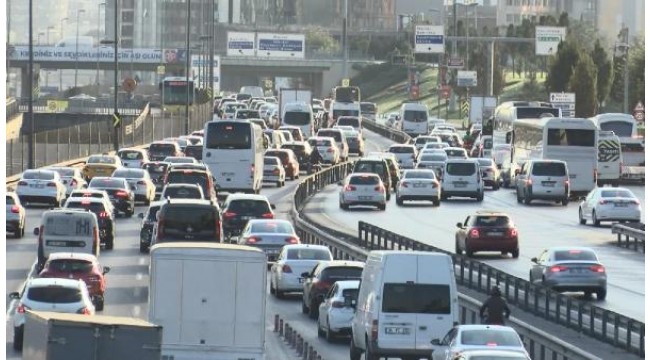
286	269
21	309
103	215
84	310
374	331
350	188
597	268
292	240
603	202
338	304
558	268
15	209
22	183
474	233
229	214
121	194
635	201
252	240
567	183
141	182
51	184
380	188
513	232
529	182
268	215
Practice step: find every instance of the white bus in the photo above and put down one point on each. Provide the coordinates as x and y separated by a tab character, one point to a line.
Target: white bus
506	113
233	150
414	119
572	140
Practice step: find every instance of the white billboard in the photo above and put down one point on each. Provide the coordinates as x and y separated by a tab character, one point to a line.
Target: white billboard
429	39
201	72
547	38
241	44
281	45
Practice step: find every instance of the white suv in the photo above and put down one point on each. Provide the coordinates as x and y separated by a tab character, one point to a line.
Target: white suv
41	186
461	177
50	294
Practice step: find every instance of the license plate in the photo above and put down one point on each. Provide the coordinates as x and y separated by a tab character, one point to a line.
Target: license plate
494	233
390	330
246	217
419	185
365	197
547	184
36	186
460	185
228	173
272	251
620	205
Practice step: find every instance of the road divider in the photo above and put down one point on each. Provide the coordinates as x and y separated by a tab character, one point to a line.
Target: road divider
295	340
636	232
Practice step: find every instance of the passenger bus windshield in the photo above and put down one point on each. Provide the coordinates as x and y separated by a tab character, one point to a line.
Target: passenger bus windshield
571	137
620	128
535	112
297	118
228	135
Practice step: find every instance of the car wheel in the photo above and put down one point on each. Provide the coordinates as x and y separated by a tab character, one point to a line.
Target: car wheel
147	201
594	219
443	197
345	206
527	198
388	196
399	201
278	184
614	183
329	334
436	201
601	294
581	218
109	242
143	248
18	338
313	310
382	207
495	187
355	352
469	252
129	213
515	253
368	354
320	331
519	198
305	309
479	198
565	201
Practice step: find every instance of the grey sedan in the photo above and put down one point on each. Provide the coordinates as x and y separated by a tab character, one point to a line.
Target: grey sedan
270	235
567	269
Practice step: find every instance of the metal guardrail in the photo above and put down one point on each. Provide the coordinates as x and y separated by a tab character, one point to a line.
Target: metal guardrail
636	232
12	108
539	344
83	106
392	134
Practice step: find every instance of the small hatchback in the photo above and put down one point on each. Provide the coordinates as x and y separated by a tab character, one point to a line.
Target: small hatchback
269	235
336	312
378	166
487	231
362	189
238	209
543	180
320	279
274	171
133	158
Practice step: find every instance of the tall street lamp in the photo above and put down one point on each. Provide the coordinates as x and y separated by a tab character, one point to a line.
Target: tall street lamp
47	39
187	67
30	105
61	71
205	52
76	48
115	41
99	21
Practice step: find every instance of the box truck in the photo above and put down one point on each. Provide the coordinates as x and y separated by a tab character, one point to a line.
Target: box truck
210	299
61	336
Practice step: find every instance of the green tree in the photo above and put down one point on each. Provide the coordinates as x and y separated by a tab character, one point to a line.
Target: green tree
636	70
605	72
562	66
583	83
320	41
511	48
563	20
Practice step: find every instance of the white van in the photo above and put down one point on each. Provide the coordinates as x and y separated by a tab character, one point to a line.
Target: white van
353	121
414	119
301	115
67	230
610	162
461	177
405	300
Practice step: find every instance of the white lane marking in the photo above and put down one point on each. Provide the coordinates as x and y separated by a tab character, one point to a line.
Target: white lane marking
139	276
142	260
12	305
136	311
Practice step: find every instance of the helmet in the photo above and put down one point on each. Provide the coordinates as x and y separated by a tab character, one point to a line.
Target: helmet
495	291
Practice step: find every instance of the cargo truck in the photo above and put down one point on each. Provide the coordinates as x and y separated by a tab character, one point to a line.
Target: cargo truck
61	336
287	96
210	300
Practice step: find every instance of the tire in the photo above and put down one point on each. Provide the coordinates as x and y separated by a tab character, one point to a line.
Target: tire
21	232
18	338
320	331
329	334
305	309
479	198
469	252
495	187
614	183
368	354
355	352
443	197
565	201
129	213
388	196
313	311
580	218
100	304
279	294
345	207
143	248
527	198
519	198
278	184
436	202
271	289
601	294
399	201
594	219
515	253
110	242
382	207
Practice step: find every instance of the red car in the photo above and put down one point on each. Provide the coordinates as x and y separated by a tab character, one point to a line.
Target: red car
79	266
289	161
487	231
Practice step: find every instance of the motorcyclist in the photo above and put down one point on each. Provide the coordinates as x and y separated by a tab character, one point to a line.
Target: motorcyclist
315	158
497	309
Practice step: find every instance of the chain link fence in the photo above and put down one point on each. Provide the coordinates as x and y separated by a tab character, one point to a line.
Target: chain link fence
96	136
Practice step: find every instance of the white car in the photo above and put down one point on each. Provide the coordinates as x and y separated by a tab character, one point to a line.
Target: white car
15	215
93	193
326	147
274	171
456	153
491	354
434	145
433	161
362	189
71	178
141	184
192	139
420	184
443	127
180	160
609	204
50	294
336	312
133	158
406	155
293	261
501	154
43	186
469	337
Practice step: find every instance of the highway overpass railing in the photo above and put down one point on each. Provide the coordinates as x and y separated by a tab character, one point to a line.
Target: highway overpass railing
103	106
634	236
96	137
12	108
540	344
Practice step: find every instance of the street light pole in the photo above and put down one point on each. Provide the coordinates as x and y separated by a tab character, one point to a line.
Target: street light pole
116	40
61	71
76	49
187	69
345	39
47	72
99	21
30	105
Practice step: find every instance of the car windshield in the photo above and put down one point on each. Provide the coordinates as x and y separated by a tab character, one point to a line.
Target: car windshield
455	152
408	298
128	174
491	221
333	134
575	255
370	166
54	294
549	169
433	157
101	160
162	148
364	180
419	175
308	254
461	169
70	265
348	121
489	337
94	207
107	183
296	118
321	143
248	207
271	227
617	193
131	155
66	225
38	175
271	161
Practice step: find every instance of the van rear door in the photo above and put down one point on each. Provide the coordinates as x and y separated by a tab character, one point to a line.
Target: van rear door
397	315
435	317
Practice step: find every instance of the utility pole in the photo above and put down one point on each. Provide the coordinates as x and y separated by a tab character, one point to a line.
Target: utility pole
76	48
30	105
116	38
187	69
211	50
345	39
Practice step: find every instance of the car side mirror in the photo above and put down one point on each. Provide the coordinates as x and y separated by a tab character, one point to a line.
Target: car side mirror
36	231
272	206
304	275
141	215
436	342
14	295
106	270
535	260
459	225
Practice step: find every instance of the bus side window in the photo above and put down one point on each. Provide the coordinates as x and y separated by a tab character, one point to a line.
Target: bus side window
509	137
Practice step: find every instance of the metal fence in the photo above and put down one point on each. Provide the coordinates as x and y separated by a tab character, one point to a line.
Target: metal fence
84	106
79	141
634	236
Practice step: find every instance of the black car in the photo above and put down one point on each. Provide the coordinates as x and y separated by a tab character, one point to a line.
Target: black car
188	220
195	151
302	150
119	192
105	218
320	279
148	222
239	208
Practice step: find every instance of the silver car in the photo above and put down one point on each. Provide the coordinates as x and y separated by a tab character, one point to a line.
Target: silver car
15	213
293	261
609	204
362	189
432	161
140	182
489	173
570	269
71	178
270	235
477	337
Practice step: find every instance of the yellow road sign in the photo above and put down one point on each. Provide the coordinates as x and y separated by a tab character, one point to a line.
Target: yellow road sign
160	70
56	105
464	108
116	120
